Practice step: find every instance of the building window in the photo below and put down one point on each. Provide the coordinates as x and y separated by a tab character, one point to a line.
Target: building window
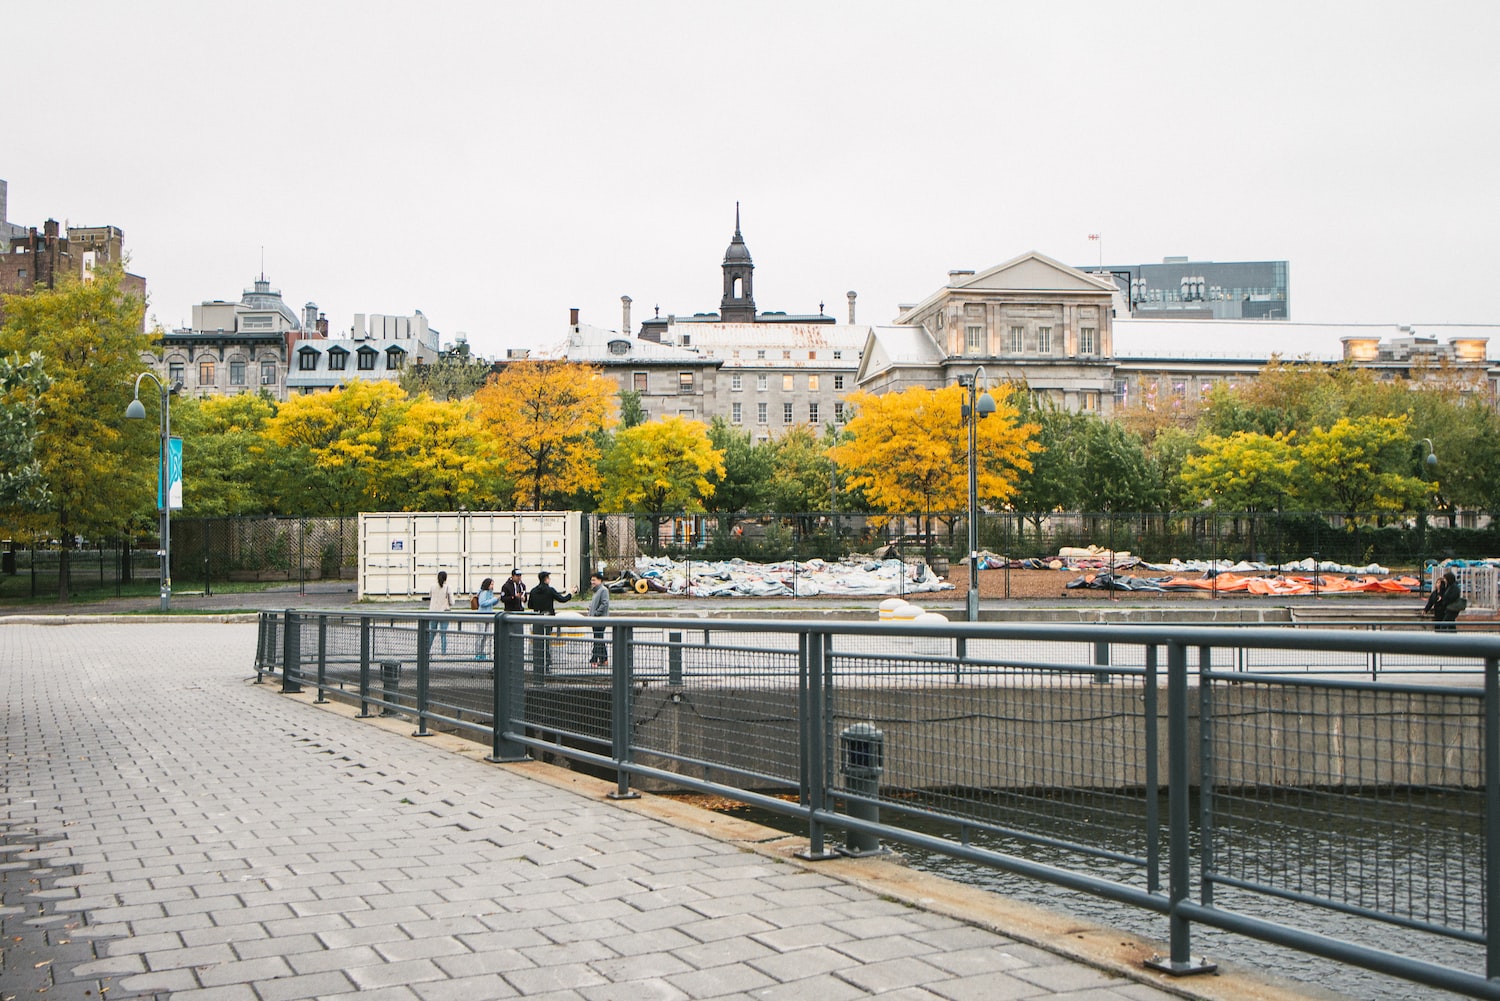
838	412
638	381
394	359
367	361
837	355
174	372
812	356
205	373
812	384
684	382
974	340
1088	401
737	413
760	353
237	372
1044	340
735	383
1015	340
307	361
1122	390
686	414
336	360
761	415
812	413
838	382
1086	341
786	384
268	373
761	382
787	355
786	413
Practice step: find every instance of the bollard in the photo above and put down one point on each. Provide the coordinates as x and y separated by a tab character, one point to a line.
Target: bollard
390	683
862	760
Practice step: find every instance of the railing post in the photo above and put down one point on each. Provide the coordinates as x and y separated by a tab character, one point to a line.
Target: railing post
674	659
322	660
364	667
620	714
291	655
814	740
424	633
1492	815
1152	696
509	689
1179	815
1101	657
1205	777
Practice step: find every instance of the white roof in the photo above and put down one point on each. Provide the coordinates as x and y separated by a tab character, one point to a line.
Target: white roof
597	346
1258	340
899	345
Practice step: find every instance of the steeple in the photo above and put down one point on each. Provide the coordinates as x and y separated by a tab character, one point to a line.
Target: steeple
738	304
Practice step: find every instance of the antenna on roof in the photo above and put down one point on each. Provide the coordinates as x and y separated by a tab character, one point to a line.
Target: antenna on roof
736	216
262	262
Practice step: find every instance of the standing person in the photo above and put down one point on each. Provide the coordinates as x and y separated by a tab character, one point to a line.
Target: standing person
1445	603
543	600
598	609
487	602
513	592
440	599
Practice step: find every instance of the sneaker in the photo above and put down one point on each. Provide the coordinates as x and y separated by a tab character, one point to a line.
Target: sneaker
480	656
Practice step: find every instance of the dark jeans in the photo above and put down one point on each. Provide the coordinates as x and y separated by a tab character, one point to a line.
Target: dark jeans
600	654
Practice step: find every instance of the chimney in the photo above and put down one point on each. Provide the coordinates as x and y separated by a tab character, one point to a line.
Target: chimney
852	297
954	277
573	317
310	317
625	315
3	199
49	228
322	324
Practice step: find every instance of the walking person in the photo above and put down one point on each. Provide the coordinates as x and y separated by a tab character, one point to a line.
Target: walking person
513	592
1445	602
485	601
598	609
440	599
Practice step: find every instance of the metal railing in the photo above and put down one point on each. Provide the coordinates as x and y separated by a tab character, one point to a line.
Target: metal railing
1296	782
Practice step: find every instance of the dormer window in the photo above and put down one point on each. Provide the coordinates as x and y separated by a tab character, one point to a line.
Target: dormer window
367	359
619	347
307	360
395	358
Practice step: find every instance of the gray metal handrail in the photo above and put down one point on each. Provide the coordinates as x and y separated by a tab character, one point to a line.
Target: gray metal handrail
1012	734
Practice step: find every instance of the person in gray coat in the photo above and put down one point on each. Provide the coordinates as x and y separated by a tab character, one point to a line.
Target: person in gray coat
599	608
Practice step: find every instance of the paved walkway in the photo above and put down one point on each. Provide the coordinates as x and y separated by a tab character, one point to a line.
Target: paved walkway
168	829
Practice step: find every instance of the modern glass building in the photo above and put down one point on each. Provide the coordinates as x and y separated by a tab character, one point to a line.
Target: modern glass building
1202	290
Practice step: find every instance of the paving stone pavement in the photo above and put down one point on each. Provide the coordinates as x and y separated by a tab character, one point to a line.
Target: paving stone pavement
169	830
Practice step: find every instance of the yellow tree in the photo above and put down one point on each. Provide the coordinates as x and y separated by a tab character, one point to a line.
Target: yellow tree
225	464
660	467
439	459
332	444
908	451
96	468
547	418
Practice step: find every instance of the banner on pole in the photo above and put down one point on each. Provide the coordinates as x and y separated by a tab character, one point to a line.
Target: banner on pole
174	475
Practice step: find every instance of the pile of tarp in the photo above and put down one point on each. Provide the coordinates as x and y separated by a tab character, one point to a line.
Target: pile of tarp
1225	582
1067	558
738	578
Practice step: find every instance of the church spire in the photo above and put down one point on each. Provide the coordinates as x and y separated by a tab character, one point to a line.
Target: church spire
738	304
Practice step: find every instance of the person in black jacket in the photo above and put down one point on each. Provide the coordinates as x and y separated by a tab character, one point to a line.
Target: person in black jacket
1445	603
543	600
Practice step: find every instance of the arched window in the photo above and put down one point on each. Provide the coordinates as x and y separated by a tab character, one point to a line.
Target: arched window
737	290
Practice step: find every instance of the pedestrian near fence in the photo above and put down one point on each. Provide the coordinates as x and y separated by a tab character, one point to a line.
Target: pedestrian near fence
1445	603
440	599
598	609
485	601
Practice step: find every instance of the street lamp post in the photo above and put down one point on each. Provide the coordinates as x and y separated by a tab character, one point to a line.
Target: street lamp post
976	408
1429	462
136	411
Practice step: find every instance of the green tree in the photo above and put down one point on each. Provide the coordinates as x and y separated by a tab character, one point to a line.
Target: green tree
1361	466
1055	480
1118	474
97	467
801	476
1246	471
747	472
456	375
224	463
22	383
660	467
631	411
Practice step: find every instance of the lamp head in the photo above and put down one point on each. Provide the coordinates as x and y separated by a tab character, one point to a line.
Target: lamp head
986	405
1431	459
135	412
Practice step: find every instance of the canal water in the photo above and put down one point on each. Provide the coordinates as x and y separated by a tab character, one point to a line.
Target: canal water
1395	871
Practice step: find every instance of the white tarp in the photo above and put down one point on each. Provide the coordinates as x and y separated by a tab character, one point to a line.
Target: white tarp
737	578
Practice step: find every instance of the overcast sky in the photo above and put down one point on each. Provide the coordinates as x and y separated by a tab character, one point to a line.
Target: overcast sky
494	164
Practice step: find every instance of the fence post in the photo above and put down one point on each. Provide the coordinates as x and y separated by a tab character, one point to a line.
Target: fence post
364	667
424	634
322	660
621	712
674	659
814	741
291	655
1179	813
1153	771
1101	657
509	689
1492	815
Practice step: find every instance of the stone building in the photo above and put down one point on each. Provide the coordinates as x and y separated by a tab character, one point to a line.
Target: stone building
378	347
237	346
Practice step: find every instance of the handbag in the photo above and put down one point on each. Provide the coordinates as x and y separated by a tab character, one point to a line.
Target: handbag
474	603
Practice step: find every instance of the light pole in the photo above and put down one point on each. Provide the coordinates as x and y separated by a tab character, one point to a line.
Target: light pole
976	408
1430	461
136	411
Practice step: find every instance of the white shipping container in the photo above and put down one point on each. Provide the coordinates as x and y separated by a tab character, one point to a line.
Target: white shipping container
400	554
